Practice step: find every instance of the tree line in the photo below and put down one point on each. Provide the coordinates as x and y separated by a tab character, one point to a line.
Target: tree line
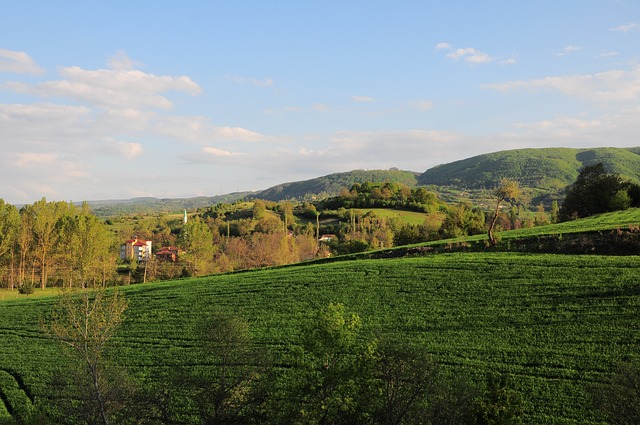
54	241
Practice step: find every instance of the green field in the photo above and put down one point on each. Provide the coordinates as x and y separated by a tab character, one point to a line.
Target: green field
557	324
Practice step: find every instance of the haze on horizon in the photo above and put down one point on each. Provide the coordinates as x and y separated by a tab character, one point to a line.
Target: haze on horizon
119	99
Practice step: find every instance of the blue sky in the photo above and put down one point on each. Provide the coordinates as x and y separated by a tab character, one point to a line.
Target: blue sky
104	100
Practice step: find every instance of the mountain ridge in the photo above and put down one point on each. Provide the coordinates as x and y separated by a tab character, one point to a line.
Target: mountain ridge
545	171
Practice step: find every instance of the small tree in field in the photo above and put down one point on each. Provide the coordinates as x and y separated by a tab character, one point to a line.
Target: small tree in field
86	322
508	190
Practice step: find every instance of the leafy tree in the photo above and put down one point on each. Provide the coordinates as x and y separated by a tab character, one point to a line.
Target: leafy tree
197	241
86	322
508	190
462	219
45	216
227	392
407	380
596	191
325	385
9	227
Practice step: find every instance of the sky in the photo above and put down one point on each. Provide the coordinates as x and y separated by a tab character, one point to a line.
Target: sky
120	99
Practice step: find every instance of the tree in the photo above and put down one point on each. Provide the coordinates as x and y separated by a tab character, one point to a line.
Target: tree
9	226
596	191
86	322
407	380
45	216
508	190
197	241
226	389
325	386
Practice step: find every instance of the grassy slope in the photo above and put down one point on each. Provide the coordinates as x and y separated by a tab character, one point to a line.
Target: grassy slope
534	316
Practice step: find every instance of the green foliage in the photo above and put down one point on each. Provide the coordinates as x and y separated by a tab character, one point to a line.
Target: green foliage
595	191
550	168
332	184
500	403
385	195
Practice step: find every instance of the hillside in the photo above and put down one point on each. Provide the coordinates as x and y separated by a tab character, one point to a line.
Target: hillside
532	316
549	169
147	205
331	184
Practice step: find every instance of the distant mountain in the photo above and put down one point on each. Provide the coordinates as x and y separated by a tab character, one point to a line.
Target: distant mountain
331	184
152	205
549	169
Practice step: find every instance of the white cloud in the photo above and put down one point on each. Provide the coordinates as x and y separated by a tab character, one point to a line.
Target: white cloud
27	159
607	86
469	54
605	55
362	99
218	152
110	88
129	150
422	105
199	130
266	82
120	61
18	63
568	49
472	55
625	28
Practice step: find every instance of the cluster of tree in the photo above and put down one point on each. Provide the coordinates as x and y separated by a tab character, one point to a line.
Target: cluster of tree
334	373
54	242
597	191
385	195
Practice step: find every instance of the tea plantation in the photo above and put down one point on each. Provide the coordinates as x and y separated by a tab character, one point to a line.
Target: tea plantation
558	325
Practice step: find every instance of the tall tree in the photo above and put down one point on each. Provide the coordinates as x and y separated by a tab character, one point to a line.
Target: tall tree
508	190
45	217
9	226
197	241
86	323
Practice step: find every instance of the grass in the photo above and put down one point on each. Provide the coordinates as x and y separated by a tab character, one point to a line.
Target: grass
409	217
533	316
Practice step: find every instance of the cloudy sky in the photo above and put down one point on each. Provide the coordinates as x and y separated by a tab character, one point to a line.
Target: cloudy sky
117	99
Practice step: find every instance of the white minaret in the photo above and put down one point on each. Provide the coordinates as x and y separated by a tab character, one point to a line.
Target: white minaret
185	217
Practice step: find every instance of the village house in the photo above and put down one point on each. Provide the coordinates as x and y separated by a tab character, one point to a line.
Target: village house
139	249
327	238
169	253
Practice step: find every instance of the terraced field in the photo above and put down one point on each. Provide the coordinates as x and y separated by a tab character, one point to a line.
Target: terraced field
558	324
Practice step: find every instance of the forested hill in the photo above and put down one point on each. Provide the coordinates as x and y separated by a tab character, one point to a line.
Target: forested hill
547	169
331	184
154	205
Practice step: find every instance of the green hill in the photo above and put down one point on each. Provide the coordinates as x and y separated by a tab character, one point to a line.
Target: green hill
532	316
331	184
149	205
549	169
